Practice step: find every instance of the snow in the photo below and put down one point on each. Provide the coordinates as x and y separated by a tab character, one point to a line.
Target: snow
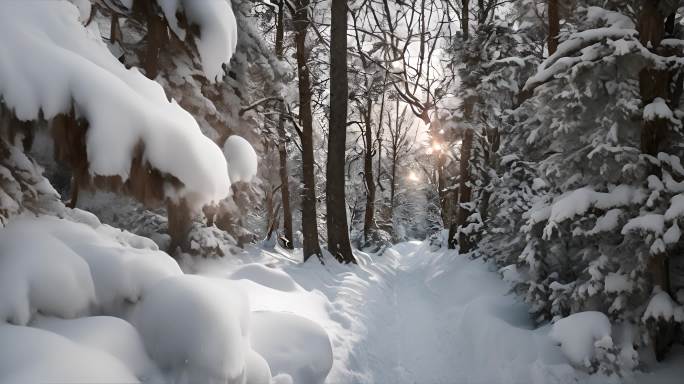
119	273
676	208
203	337
241	157
123	108
111	334
579	333
617	283
30	269
408	315
39	356
661	306
292	345
651	222
218	30
579	201
658	109
263	275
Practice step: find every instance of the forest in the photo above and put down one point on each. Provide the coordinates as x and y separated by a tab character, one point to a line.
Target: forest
342	192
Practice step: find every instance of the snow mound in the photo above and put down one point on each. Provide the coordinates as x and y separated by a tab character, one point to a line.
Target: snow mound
119	273
241	157
110	334
268	277
579	333
31	268
292	345
204	334
82	73
39	356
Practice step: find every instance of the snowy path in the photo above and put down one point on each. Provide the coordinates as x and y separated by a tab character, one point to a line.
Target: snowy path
437	320
411	316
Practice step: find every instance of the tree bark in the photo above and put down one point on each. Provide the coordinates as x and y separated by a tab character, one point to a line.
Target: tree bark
655	83
369	217
155	38
554	26
282	140
336	203
309	218
180	221
465	19
465	190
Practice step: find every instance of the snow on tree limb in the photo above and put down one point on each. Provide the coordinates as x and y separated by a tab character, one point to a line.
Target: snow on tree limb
69	66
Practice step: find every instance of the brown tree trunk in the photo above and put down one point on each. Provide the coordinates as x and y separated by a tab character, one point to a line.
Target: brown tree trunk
369	217
554	26
309	217
282	141
338	231
156	36
180	221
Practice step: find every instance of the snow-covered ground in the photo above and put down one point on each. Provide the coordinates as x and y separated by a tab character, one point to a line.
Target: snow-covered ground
415	316
75	290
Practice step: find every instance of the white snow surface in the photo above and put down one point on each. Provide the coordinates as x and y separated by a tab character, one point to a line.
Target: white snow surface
218	30
578	334
410	315
82	73
241	157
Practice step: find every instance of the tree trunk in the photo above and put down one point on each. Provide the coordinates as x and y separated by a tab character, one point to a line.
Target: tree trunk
282	141
180	221
369	219
554	26
309	217
465	190
336	203
654	83
465	15
155	38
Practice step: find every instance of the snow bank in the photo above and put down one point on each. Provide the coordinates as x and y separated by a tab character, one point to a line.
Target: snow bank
123	108
578	335
110	334
38	356
203	335
241	157
268	277
118	273
183	328
31	267
292	345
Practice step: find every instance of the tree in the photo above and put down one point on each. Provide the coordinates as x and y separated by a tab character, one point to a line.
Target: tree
282	137
554	26
301	23
338	231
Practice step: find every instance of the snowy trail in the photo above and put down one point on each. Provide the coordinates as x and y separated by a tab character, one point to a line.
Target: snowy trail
423	352
409	316
436	320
